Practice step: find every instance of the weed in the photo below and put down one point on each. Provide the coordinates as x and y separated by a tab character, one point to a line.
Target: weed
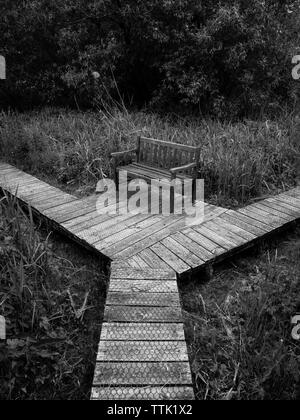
52	306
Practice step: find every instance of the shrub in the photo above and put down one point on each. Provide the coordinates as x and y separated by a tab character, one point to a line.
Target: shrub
240	328
239	161
52	309
227	58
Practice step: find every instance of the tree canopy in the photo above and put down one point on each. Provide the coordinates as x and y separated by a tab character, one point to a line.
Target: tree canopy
226	57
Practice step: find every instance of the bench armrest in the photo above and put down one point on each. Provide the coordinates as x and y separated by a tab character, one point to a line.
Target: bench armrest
183	168
124	153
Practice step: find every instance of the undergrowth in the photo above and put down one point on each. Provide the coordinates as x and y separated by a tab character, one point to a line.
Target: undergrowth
52	297
239	327
239	161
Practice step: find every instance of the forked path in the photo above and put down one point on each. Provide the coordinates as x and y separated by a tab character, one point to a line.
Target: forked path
142	351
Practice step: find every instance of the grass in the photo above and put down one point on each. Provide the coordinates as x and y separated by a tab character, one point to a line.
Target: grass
52	295
239	326
240	161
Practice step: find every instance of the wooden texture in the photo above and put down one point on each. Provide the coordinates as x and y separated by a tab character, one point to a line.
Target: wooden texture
157	159
142	351
142	339
163	393
142	374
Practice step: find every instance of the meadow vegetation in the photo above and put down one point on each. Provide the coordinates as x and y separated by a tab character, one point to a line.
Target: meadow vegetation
52	295
213	74
240	161
239	325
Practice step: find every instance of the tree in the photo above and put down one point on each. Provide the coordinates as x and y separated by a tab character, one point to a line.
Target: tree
228	58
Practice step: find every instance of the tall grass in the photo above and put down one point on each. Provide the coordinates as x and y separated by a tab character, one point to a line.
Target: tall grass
239	161
52	306
239	327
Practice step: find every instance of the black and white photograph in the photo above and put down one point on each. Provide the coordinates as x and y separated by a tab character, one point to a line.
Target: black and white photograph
149	203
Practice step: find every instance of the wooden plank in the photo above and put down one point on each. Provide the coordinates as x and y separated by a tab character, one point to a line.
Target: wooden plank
250	221
214	237
209	249
13	174
277	209
90	220
145	274
143	286
169	144
96	223
4	165
272	221
211	212
140	262
152	259
114	229
291	201
236	239
163	393
181	251
265	217
147	238
142	332
40	195
241	232
170	258
294	209
267	212
192	246
142	299
122	264
54	202
58	199
231	218
132	263
147	172
24	185
142	314
123	223
21	188
142	374
63	214
124	237
142	351
18	179
295	192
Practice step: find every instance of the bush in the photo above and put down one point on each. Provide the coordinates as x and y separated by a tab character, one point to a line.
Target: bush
240	328
52	308
239	161
229	58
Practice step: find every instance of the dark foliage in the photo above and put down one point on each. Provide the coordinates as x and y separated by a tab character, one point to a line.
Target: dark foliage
229	58
53	309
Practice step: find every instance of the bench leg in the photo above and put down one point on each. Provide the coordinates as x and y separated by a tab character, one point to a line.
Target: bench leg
172	200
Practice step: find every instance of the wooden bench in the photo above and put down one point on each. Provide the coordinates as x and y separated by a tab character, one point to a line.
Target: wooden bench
157	159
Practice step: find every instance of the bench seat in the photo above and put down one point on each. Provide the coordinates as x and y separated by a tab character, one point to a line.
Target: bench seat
139	170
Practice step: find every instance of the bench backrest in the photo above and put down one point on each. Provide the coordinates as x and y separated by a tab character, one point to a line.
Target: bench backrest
164	154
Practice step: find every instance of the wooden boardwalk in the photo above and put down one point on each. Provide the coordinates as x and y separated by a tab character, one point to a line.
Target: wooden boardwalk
142	352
